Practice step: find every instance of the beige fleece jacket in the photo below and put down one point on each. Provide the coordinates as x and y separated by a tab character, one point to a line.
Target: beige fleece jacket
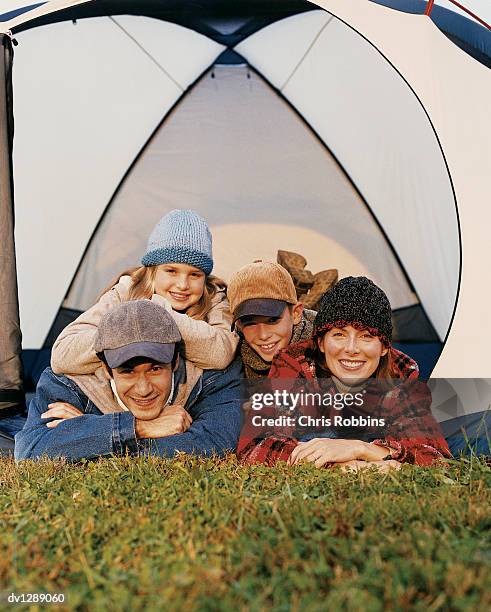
209	344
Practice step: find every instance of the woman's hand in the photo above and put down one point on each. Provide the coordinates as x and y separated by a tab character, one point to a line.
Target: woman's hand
325	450
62	411
382	466
321	451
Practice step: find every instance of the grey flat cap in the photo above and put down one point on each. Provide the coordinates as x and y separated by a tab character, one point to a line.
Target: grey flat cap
138	328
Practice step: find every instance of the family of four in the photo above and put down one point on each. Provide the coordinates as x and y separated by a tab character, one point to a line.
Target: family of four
156	365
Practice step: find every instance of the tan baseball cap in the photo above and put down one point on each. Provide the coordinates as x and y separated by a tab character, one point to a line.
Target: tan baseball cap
260	288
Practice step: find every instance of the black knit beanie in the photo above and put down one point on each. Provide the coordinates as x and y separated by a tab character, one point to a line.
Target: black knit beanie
358	302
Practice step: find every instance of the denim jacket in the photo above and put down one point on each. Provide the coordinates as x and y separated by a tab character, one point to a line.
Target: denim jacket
214	405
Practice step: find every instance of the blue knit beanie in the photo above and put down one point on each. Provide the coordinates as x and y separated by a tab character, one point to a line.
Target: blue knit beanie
182	236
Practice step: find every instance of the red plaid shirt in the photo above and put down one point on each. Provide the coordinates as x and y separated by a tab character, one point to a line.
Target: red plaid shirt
412	434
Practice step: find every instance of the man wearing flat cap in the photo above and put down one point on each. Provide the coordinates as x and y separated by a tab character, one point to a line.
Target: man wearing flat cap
145	399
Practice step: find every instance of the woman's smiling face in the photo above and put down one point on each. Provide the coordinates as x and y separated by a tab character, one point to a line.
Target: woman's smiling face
181	284
351	353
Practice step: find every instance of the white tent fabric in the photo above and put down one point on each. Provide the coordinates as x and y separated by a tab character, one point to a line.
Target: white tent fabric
262	180
459	110
97	120
386	144
455	91
301	32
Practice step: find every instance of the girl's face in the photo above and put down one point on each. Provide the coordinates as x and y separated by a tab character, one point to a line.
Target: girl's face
351	353
181	284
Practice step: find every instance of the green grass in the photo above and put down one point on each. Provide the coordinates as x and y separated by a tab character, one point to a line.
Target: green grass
134	534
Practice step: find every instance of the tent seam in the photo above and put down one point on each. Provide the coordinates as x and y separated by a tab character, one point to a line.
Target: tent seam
309	48
149	55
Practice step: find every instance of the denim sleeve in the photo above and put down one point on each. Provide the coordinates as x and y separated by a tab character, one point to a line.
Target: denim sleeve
86	436
217	419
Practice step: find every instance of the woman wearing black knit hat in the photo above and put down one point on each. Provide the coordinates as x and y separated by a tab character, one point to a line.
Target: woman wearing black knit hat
353	329
351	352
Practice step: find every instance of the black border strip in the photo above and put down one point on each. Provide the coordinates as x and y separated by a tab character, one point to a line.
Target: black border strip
198	15
205	17
13	13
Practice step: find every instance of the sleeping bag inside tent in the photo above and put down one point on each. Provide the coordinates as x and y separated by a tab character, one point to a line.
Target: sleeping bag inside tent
281	123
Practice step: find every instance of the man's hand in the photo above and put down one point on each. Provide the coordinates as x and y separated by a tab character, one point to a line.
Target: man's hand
62	411
174	420
321	451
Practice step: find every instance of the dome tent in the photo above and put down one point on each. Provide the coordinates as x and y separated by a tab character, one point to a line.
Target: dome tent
154	113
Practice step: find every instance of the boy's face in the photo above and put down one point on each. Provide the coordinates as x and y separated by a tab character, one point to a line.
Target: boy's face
143	386
268	335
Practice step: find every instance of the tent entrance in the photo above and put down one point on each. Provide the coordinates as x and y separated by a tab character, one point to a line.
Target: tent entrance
236	152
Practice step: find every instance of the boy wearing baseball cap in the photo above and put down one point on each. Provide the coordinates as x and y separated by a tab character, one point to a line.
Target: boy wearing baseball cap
145	399
266	314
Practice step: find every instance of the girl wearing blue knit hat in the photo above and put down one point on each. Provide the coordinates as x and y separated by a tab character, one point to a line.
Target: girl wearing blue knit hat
177	264
175	273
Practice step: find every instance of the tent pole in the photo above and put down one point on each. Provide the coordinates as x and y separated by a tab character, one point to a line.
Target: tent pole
11	391
466	10
429	7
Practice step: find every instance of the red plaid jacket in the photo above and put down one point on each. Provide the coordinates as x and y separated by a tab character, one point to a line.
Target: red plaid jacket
411	431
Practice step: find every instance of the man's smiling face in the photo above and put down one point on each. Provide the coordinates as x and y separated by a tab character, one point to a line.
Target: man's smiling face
143	386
